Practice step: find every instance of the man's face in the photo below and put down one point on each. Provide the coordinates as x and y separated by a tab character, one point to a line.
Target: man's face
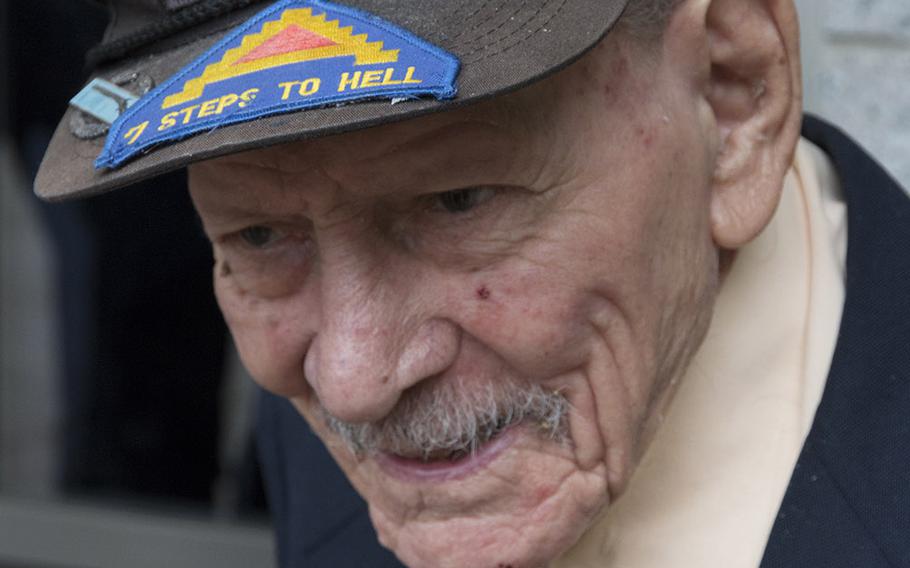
554	241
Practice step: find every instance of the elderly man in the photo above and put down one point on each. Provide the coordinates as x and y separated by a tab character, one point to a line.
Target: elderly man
596	318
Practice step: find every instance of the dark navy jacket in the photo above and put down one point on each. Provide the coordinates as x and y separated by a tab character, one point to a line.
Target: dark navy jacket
848	502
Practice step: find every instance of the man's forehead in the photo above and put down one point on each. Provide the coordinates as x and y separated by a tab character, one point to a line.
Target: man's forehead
419	158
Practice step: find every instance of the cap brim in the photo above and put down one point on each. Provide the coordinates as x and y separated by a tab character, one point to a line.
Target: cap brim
501	45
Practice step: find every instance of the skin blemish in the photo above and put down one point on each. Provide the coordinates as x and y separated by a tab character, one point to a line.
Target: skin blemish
646	136
225	269
483	293
545	492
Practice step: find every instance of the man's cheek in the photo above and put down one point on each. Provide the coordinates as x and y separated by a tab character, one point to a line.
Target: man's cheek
270	345
575	342
536	328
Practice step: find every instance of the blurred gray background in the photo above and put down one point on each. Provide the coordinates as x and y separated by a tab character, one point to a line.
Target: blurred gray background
857	74
856	56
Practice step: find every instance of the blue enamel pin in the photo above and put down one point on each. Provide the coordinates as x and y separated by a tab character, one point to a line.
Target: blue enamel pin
295	55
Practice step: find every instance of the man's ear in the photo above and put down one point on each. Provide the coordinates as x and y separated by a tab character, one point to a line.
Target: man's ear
755	91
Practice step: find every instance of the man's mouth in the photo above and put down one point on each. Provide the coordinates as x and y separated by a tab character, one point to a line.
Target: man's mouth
447	465
443	431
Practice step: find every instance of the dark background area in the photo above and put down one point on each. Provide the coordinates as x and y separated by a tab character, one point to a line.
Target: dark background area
142	339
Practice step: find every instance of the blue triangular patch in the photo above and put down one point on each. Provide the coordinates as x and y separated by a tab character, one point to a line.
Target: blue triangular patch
295	55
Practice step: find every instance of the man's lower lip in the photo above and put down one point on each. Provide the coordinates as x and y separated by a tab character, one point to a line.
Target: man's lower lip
407	469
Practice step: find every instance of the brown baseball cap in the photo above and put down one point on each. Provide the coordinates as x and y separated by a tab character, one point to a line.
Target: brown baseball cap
178	81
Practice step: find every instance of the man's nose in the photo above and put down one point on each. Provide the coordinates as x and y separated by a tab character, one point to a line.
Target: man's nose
377	337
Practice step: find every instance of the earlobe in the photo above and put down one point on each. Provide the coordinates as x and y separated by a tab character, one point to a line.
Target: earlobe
755	93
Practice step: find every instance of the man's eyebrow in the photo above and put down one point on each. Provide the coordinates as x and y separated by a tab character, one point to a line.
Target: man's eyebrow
229	198
224	219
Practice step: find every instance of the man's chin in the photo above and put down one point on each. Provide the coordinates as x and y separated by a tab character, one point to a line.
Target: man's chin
485	541
489	510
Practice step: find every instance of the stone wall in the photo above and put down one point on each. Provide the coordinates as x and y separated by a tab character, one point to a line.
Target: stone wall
857	72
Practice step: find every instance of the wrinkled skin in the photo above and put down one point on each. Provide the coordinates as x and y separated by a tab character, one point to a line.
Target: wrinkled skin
586	260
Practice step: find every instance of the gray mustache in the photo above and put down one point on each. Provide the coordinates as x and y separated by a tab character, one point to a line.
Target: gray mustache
444	420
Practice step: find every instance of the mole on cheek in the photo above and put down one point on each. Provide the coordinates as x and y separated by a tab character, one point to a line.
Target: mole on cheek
647	137
483	293
225	269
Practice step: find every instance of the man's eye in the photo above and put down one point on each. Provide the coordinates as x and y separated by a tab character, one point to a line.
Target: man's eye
461	200
258	236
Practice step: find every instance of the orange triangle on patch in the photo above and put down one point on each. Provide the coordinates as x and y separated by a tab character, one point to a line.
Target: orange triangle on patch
299	35
291	39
